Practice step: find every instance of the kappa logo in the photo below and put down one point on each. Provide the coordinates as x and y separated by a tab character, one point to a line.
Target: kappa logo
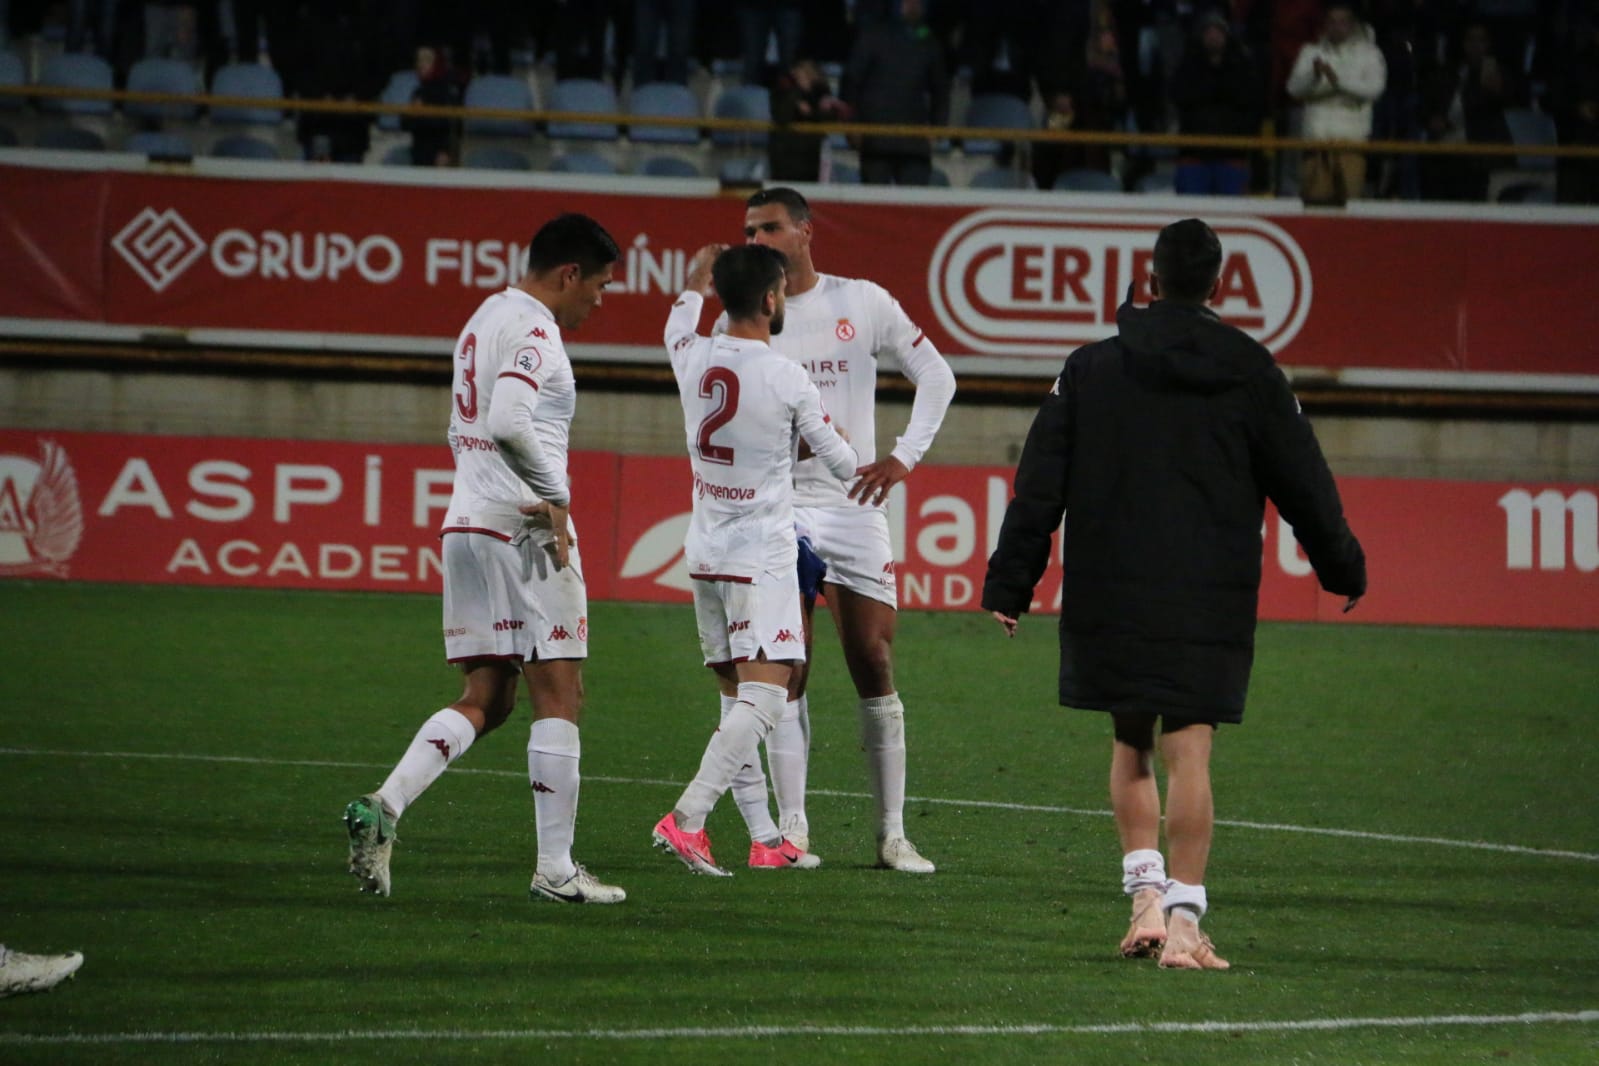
540	786
538	331
784	636
560	632
844	331
159	246
444	748
41	516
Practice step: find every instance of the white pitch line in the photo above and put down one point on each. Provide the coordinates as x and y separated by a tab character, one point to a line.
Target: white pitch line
758	1032
1353	834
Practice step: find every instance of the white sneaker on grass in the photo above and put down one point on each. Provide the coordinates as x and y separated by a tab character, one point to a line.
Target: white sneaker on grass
372	835
581	887
897	853
34	973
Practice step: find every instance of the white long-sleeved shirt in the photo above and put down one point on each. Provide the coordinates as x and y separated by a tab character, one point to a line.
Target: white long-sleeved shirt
510	415
837	330
745	409
1342	112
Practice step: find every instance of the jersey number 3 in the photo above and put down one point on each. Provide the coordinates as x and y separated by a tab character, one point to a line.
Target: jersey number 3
466	394
721	384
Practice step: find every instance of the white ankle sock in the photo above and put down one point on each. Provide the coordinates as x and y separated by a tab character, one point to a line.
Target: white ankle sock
731	746
788	750
883	737
442	739
749	791
1143	869
1184	899
553	753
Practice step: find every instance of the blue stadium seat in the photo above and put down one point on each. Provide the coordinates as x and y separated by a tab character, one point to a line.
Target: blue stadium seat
844	174
398	156
499	90
668	166
162	76
492	157
664	99
1086	180
401	84
582	163
11	73
1157	181
742	101
584	96
252	80
937	179
242	146
159	144
1002	178
76	70
747	170
1531	127
71	138
995	111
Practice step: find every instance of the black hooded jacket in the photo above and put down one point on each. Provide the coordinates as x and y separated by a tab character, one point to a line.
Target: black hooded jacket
1159	446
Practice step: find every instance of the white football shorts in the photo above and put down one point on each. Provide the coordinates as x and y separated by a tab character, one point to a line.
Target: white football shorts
738	620
853	541
508	601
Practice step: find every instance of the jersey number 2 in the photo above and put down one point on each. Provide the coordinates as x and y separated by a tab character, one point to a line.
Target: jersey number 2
466	395
718	380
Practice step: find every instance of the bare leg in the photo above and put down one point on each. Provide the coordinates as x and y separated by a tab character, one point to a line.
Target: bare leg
1134	792
1190	813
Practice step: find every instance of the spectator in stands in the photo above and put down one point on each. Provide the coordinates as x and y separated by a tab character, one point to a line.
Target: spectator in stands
1576	112
1101	96
433	140
649	18
801	95
1337	78
579	36
1465	104
758	20
897	75
1053	158
1217	92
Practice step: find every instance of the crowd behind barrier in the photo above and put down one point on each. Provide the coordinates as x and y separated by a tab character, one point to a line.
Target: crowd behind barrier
1446	77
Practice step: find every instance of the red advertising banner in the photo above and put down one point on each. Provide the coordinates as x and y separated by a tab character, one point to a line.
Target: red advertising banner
306	514
1009	285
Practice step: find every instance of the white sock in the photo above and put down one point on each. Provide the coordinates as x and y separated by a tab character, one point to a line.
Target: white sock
731	746
883	737
1188	900
1143	869
749	791
553	752
788	749
442	739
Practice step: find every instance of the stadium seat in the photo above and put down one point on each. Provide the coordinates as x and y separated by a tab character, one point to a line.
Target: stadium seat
582	163
398	156
11	73
1532	192
938	179
844	174
8	138
1002	178
75	70
247	79
503	91
162	76
1086	180
401	84
159	144
668	166
491	157
1531	127
995	111
664	100
745	170
242	146
1157	181
70	138
742	101
584	96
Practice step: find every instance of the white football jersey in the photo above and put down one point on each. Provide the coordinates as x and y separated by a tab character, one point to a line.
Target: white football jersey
836	331
512	369
745	409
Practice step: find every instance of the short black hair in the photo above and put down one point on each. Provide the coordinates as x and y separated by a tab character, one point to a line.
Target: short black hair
792	201
571	238
1187	260
744	274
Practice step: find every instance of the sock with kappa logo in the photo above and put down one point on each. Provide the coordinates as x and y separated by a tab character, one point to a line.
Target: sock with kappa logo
749	791
1141	869
553	753
754	713
788	750
442	739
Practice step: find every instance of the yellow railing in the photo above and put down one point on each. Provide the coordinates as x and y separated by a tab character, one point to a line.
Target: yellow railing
1109	138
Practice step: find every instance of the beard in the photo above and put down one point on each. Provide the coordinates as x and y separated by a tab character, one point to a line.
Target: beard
777	323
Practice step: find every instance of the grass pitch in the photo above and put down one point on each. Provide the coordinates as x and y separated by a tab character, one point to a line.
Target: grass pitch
1406	872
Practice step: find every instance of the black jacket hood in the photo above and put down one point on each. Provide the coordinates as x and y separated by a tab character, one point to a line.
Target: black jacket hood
1174	345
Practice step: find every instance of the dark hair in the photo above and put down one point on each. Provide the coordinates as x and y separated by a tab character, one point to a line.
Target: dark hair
792	201
744	274
1187	260
571	238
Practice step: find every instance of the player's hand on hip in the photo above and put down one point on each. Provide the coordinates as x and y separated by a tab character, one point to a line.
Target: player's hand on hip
699	269
1005	620
557	519
875	480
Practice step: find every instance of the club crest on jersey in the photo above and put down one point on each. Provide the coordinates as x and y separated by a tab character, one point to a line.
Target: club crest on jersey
528	360
583	628
41	517
844	331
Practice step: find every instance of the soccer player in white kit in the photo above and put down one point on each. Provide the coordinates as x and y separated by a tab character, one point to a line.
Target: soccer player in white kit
745	410
514	599
837	328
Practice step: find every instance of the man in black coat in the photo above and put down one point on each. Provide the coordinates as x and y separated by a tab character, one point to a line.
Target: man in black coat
1160	446
896	76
